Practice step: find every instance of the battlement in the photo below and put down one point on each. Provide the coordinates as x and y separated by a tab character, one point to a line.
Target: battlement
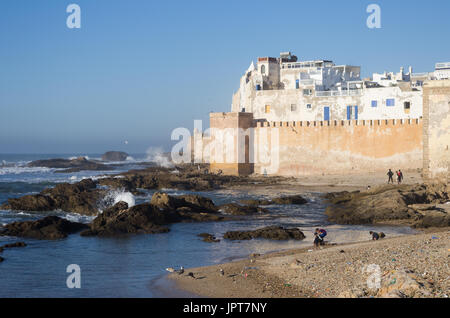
339	123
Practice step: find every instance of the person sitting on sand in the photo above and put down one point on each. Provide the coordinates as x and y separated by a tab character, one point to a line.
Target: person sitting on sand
377	236
319	235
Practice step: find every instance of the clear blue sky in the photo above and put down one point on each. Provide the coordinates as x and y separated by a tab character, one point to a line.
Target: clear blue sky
138	69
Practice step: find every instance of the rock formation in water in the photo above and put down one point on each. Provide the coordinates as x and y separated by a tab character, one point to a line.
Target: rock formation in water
70	165
114	156
293	199
415	205
153	217
270	233
48	228
237	209
81	197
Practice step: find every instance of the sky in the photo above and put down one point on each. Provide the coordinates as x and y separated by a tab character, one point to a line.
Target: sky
137	69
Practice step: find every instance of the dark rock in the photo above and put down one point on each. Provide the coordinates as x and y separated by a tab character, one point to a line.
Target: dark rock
236	209
192	203
48	228
293	199
17	244
270	233
183	177
119	220
73	165
114	156
209	238
81	197
399	204
152	217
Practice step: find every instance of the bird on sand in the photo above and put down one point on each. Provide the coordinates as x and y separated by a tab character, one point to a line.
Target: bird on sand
222	272
191	275
179	271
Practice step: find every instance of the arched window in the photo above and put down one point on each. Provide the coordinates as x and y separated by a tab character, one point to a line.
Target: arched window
263	69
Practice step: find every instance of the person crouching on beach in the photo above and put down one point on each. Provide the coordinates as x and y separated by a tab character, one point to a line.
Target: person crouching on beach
377	236
319	235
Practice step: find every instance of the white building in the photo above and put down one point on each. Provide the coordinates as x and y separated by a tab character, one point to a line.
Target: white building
285	89
442	71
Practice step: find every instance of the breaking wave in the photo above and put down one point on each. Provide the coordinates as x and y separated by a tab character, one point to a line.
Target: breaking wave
21	169
115	196
157	156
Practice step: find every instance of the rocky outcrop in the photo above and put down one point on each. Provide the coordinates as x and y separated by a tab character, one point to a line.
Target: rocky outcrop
182	177
48	228
413	205
208	238
237	209
13	245
120	220
81	197
114	156
70	165
285	200
270	233
152	217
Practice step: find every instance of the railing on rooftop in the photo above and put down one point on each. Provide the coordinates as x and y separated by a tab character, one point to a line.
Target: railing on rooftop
352	92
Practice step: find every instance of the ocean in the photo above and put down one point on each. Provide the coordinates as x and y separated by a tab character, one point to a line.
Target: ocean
134	266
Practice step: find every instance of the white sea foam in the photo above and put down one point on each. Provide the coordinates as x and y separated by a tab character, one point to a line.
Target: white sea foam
157	156
115	196
21	169
76	157
75	217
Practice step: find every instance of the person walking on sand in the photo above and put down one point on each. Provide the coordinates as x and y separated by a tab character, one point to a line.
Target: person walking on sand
390	174
400	175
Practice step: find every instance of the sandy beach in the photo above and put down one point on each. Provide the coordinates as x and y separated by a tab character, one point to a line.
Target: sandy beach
409	266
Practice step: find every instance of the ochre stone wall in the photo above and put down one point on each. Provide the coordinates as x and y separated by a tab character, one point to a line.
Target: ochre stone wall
339	147
436	130
237	146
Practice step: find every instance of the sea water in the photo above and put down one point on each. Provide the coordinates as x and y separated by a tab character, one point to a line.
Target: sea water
132	266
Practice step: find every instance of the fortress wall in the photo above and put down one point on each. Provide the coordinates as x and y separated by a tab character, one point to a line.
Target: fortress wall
337	147
436	130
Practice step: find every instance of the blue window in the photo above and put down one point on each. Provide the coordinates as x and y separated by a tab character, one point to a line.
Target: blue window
326	113
297	84
349	112
390	102
374	103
